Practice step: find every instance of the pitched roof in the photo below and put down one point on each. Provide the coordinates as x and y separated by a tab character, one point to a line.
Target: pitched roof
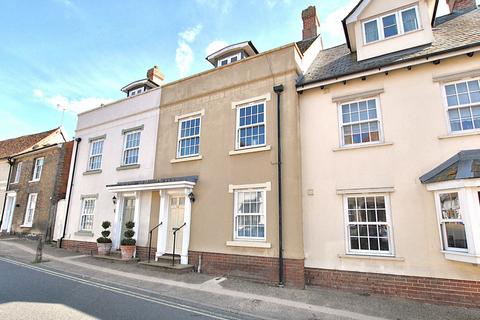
464	165
13	146
303	45
453	32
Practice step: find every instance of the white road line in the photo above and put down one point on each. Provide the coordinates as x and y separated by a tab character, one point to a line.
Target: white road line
120	291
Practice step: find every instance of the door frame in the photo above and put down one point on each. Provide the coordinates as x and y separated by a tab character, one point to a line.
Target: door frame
172	195
12	210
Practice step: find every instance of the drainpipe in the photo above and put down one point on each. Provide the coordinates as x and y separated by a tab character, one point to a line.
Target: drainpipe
281	282
11	162
77	140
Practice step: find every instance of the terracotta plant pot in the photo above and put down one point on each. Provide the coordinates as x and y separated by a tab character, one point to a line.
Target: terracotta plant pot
104	249
127	252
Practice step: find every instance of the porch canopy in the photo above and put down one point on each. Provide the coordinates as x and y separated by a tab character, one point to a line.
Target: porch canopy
179	187
464	165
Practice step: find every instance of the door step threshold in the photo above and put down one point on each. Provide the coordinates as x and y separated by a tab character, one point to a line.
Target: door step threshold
115	258
167	258
167	266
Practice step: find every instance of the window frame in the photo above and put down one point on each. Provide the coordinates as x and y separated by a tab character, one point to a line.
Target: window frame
179	138
125	149
35	169
26	223
459	106
136	92
400	24
238	127
388	214
18	172
441	221
90	155
236	192
82	213
341	124
229	59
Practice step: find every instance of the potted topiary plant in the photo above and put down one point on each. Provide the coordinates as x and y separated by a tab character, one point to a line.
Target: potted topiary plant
127	245
104	243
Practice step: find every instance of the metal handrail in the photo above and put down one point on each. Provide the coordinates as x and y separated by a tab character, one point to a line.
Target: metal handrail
175	230
150	240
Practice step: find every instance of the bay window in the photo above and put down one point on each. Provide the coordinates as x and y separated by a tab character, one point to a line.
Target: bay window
451	222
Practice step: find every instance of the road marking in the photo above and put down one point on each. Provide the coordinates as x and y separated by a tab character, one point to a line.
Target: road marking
121	291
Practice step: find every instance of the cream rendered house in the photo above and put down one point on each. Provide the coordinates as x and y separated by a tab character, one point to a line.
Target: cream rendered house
390	138
114	143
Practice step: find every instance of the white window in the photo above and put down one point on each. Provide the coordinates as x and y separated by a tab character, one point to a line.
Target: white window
86	218
18	172
95	159
135	92
37	169
30	212
368	225
251	119
249	214
131	147
188	137
393	24
360	122
451	222
230	59
463	105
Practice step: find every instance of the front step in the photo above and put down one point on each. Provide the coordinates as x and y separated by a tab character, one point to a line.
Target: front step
167	258
167	266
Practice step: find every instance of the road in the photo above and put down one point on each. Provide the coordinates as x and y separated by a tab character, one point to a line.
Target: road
32	292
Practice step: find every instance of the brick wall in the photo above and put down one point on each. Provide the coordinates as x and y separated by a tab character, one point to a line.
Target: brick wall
142	253
254	268
432	290
80	246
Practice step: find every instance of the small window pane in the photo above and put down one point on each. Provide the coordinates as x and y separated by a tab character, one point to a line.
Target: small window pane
390	26
409	18
371	31
456	237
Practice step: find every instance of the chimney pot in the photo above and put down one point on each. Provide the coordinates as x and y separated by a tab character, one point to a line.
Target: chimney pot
311	24
461	5
155	75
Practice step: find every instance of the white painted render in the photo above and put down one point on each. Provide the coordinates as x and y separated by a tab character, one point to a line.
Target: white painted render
4	169
109	121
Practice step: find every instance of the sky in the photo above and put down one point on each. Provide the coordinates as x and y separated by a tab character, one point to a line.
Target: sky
62	57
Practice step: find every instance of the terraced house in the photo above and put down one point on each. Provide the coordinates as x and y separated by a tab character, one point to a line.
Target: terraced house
390	154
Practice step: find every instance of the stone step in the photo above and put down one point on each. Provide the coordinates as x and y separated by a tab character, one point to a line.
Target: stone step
167	266
167	258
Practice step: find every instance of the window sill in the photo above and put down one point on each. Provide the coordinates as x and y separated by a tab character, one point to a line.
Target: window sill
250	150
128	167
459	135
84	234
89	172
461	257
365	257
249	244
25	226
363	146
186	159
33	181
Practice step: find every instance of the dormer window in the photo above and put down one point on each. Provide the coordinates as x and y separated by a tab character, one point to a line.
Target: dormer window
135	92
393	24
230	59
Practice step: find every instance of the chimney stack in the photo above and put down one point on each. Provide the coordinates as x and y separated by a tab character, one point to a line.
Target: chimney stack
155	75
461	5
311	24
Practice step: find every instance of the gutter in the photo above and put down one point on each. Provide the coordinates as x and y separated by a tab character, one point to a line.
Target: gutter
77	140
281	281
11	162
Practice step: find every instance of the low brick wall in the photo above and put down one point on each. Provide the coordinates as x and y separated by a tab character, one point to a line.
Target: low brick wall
433	290
142	253
254	268
80	246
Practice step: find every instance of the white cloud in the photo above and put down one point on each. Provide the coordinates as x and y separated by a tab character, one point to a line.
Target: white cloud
273	3
332	24
61	102
184	54
223	6
214	46
189	35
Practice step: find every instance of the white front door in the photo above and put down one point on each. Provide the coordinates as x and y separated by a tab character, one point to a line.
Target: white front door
9	208
175	220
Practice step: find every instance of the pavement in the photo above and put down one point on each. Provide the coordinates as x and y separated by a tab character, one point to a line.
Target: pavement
72	285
